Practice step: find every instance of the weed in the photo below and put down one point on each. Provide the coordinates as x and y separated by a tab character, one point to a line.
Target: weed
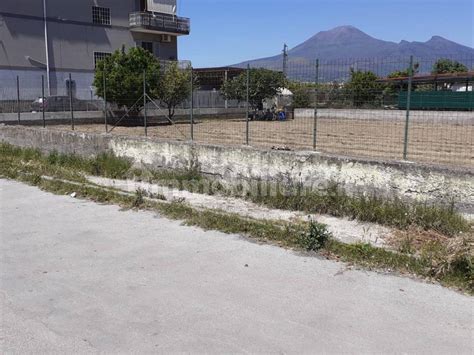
157	196
68	166
108	165
373	208
139	199
454	258
35	179
66	161
26	154
367	255
315	238
406	244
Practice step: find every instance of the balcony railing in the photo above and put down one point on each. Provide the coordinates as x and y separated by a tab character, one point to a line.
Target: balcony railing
160	23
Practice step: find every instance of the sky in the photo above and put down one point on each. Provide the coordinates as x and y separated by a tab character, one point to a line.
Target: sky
225	32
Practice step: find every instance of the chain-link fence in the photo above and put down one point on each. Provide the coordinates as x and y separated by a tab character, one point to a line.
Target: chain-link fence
409	108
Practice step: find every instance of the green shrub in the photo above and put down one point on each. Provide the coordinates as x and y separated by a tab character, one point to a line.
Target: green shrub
315	237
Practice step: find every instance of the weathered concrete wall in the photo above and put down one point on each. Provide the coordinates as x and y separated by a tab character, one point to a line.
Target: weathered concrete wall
61	117
234	164
304	113
49	140
98	116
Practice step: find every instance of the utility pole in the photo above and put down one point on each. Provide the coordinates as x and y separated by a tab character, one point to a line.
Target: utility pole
285	59
145	123
226	77
247	124
46	47
315	124
71	105
407	119
192	104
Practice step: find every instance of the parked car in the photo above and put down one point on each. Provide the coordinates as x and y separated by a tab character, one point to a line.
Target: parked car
58	104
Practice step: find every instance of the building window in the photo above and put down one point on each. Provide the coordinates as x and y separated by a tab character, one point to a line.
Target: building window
148	46
98	56
101	15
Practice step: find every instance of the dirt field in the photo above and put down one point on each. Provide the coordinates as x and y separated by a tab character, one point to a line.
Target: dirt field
444	143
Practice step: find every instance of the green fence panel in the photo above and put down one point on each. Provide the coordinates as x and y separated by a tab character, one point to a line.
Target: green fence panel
437	100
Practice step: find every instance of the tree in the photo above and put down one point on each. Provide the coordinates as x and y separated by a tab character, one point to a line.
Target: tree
301	95
404	73
264	84
363	87
124	77
395	86
445	66
175	87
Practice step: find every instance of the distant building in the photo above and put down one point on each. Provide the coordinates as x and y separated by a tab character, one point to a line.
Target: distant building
459	82
449	91
461	87
58	37
214	78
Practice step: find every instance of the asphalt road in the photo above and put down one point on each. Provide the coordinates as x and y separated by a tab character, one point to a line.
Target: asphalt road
82	277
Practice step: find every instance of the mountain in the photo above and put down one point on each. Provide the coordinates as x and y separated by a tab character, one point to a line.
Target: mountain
342	47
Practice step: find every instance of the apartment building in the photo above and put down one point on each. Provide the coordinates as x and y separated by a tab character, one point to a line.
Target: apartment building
57	37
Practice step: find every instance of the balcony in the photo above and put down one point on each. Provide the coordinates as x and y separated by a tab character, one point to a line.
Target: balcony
159	23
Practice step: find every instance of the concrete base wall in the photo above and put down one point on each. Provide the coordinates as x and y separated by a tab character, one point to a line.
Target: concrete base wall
48	140
233	165
304	113
53	117
98	116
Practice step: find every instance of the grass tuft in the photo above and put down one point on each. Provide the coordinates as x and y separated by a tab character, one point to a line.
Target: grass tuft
67	166
391	212
110	166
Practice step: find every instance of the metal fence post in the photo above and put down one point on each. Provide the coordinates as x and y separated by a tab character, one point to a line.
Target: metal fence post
315	124
192	105
407	120
18	98
247	121
71	106
43	100
105	98
226	76
144	104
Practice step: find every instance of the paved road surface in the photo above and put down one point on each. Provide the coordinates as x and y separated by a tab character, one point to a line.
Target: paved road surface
79	277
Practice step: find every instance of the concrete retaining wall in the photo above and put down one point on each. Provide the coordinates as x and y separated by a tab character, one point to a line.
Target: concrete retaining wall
98	116
48	140
64	117
236	164
304	113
